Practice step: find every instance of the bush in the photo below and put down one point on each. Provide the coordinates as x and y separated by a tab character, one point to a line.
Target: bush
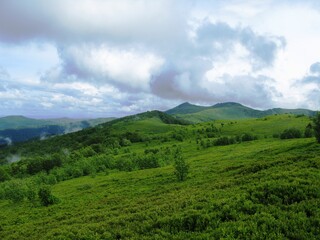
124	164
222	141
46	197
248	137
181	167
308	132
31	193
125	142
4	175
147	162
291	133
317	127
275	135
15	191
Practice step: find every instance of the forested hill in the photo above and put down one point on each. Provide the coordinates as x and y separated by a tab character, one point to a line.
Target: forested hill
228	110
135	128
164	117
19	122
242	179
15	129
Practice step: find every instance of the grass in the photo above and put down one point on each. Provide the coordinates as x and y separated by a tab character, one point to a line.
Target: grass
263	189
264	127
146	126
214	202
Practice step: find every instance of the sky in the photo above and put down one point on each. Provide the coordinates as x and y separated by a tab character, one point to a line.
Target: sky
103	58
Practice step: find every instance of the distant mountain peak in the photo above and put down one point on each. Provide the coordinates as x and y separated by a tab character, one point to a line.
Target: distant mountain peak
185	104
14	117
184	108
227	104
228	111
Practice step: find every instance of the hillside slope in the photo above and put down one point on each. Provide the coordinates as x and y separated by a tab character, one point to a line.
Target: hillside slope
185	108
228	111
15	129
19	122
259	189
134	128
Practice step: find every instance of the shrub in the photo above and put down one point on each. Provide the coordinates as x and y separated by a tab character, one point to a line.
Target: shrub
154	151
248	137
290	133
43	178
31	193
125	142
46	197
222	141
147	162
181	167
275	135
308	132
15	191
177	137
124	164
4	175
317	127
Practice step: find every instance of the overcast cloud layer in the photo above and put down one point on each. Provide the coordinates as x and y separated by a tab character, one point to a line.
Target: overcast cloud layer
94	58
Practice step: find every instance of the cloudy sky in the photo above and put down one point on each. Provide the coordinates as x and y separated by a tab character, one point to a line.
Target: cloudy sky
100	58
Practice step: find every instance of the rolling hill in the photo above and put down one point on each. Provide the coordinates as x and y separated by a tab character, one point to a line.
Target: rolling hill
15	129
186	108
18	122
228	110
117	181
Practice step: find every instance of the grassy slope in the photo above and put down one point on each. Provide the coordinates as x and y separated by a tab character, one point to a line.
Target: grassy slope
230	111
147	126
268	188
237	112
263	127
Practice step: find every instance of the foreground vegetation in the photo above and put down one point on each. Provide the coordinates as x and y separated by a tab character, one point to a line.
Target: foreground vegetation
239	180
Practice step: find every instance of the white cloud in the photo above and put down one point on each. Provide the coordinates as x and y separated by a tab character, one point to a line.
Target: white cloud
84	88
129	69
91	20
119	57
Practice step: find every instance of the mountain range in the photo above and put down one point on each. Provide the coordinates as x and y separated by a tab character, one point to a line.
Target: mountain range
19	128
228	111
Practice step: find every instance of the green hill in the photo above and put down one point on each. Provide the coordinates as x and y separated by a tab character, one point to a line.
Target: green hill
186	108
20	129
290	111
19	122
229	111
13	122
116	181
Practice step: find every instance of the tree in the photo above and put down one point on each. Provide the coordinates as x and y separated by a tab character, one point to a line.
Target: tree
316	127
180	166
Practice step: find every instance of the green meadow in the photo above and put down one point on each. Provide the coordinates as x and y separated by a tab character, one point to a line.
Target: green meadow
116	181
